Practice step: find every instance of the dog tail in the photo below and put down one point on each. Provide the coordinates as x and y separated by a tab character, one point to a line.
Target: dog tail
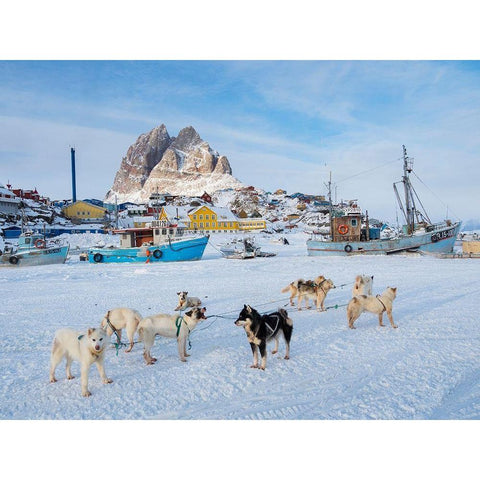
287	288
138	318
284	314
140	334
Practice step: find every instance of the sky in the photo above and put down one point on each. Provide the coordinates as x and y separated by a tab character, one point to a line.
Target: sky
282	123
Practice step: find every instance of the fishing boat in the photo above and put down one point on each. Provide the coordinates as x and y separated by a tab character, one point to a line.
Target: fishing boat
160	242
350	233
34	249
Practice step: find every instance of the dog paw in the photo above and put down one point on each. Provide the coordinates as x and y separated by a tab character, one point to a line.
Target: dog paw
86	394
286	357
253	366
274	352
108	380
53	380
261	368
183	360
70	377
395	326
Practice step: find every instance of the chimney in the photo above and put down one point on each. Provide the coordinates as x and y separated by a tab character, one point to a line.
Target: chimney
74	187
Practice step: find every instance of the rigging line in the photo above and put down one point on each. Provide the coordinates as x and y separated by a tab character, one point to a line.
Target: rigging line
368	171
433	193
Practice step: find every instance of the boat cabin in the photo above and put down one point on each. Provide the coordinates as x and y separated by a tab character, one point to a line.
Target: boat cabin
30	240
347	228
158	233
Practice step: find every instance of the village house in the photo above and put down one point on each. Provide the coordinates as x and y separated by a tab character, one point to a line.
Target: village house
9	202
84	211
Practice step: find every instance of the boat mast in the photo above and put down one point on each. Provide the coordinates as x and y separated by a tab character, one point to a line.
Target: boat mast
330	206
409	205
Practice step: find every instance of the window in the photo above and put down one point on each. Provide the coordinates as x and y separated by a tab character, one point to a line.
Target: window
354	222
207	217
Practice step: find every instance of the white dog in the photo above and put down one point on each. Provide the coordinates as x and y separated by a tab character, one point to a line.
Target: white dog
378	305
87	349
169	326
184	301
118	318
363	285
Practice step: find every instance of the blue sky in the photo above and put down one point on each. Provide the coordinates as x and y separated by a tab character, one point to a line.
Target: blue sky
281	124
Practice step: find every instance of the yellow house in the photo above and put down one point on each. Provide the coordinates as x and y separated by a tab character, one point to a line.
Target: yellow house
84	211
212	220
248	224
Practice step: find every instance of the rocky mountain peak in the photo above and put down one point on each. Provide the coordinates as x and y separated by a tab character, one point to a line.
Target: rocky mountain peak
187	140
181	165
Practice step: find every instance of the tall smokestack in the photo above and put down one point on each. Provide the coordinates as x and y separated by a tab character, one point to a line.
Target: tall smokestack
74	187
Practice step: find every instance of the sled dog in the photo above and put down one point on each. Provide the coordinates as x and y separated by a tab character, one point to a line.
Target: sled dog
118	318
262	328
363	285
171	326
87	349
293	287
317	292
368	303
184	301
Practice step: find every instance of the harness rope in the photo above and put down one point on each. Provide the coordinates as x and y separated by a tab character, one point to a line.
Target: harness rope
383	305
109	323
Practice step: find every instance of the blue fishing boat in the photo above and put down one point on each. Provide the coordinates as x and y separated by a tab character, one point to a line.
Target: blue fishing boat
34	249
350	233
159	243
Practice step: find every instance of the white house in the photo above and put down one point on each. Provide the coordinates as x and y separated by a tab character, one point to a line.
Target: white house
9	203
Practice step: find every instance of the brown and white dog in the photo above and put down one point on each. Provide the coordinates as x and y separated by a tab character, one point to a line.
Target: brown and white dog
368	303
184	301
317	292
293	287
363	285
118	318
179	326
87	349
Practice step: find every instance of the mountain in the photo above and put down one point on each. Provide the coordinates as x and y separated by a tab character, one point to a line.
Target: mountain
182	165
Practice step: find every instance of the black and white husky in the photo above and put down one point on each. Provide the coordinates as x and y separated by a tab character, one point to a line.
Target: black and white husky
260	329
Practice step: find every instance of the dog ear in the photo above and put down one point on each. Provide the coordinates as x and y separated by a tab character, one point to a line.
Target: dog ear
90	331
394	289
371	277
186	293
178	293
189	314
249	308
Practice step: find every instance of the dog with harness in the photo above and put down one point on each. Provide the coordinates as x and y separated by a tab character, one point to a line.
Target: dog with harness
171	326
293	287
261	329
368	303
117	319
317	292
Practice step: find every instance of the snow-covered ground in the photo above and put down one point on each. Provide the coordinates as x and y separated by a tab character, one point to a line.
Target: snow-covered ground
426	369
